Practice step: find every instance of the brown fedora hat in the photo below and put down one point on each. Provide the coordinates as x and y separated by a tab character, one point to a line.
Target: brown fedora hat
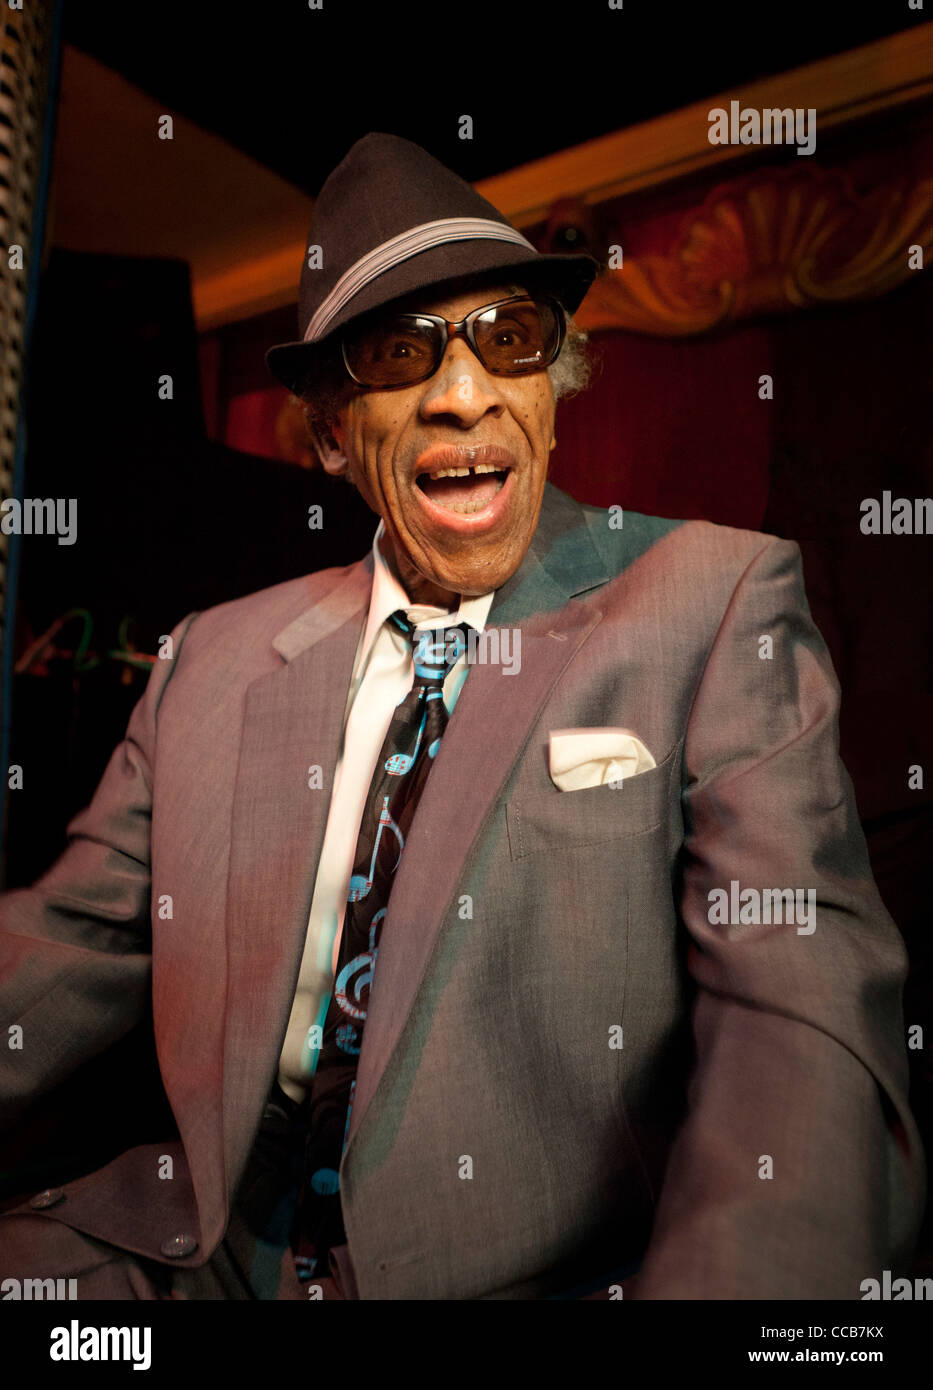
391	219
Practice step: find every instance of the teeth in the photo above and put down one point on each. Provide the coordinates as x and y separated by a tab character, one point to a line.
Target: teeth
462	472
467	508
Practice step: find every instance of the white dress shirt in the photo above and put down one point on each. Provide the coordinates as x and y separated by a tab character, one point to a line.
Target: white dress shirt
383	674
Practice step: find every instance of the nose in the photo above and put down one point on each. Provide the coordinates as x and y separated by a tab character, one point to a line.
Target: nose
461	388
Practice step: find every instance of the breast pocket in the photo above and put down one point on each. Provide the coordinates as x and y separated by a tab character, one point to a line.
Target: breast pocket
551	820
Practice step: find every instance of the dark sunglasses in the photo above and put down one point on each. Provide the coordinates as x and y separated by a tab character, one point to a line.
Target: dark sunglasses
512	337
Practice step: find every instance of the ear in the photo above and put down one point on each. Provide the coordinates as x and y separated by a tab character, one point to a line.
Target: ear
328	450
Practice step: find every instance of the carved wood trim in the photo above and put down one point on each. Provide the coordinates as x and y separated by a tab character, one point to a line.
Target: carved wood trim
768	243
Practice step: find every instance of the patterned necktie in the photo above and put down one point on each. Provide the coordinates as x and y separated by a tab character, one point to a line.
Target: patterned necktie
401	771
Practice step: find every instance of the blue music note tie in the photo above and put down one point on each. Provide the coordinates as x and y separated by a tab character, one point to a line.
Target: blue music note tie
402	767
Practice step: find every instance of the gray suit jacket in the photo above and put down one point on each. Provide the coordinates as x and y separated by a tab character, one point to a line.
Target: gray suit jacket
527	926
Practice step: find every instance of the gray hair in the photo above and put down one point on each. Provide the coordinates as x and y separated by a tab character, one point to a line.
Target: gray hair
572	371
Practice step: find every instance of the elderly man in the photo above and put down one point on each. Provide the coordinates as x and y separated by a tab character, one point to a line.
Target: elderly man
501	899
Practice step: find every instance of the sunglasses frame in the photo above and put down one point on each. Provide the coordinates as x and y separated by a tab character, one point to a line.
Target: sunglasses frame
465	328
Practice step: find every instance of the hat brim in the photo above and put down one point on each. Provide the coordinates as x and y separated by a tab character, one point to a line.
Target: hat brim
567	277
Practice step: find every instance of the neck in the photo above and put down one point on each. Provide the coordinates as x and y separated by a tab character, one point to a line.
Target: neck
418	589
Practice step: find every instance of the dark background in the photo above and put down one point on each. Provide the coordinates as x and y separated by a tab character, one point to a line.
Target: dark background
295	88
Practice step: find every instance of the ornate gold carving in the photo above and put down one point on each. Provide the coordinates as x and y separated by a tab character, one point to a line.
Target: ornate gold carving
766	244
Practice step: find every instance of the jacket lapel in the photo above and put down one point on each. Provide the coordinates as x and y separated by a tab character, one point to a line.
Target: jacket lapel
561	562
293	721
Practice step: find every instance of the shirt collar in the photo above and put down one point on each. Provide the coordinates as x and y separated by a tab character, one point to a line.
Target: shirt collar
388	595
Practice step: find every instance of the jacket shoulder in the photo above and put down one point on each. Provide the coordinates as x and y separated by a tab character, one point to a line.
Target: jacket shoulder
249	624
624	537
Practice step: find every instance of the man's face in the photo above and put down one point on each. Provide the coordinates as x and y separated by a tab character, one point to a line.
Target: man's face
460	535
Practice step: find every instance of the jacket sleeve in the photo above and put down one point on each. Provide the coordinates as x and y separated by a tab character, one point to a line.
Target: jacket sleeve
798	1171
75	948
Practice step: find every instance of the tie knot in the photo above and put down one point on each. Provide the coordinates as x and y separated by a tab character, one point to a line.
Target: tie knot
435	650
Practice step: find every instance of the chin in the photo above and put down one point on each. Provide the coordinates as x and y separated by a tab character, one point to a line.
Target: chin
473	585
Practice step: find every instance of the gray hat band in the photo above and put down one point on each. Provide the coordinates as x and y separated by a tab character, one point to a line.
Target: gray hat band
401	248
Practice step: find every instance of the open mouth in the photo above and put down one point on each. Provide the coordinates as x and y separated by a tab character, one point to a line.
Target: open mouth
463	490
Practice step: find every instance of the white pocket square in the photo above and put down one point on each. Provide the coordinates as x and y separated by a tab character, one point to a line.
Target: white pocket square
592	757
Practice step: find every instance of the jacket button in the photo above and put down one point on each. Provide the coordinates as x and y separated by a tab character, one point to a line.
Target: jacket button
178	1246
49	1198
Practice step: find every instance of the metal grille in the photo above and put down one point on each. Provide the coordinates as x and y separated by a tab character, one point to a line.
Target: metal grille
26	40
